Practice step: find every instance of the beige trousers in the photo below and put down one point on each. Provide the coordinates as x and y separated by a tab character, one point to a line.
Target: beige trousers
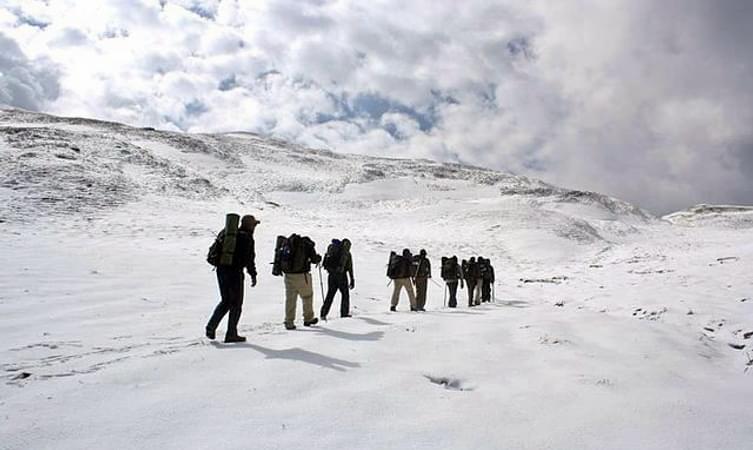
298	284
401	283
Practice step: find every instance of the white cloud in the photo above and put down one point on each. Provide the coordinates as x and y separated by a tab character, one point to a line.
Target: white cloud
650	101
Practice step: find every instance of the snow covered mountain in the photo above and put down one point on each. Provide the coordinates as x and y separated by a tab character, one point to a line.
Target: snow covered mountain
611	328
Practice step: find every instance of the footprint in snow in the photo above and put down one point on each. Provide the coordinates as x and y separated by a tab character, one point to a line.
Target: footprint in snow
453	384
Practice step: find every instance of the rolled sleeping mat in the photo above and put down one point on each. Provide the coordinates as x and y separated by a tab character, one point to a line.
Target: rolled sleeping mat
228	246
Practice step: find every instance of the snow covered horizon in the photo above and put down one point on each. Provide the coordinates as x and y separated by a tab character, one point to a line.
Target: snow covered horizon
611	328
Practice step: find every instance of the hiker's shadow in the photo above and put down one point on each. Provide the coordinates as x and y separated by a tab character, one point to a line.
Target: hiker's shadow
371	321
297	354
513	303
372	336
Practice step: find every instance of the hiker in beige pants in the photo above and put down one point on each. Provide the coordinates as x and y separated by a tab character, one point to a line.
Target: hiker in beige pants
401	283
299	284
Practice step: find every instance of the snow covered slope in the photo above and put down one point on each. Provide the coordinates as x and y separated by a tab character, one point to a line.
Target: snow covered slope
611	328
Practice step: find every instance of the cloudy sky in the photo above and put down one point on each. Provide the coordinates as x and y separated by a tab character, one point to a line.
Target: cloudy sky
650	101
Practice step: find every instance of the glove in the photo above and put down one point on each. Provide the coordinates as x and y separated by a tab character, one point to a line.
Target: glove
352	284
253	280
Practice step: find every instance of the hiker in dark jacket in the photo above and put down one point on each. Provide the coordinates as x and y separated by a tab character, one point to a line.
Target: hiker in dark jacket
452	273
230	280
471	276
422	267
298	281
338	262
487	279
401	274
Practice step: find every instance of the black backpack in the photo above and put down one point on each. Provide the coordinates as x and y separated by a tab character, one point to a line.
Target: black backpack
215	250
449	268
393	266
333	258
291	254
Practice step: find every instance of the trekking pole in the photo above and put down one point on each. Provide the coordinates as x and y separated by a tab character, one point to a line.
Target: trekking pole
321	283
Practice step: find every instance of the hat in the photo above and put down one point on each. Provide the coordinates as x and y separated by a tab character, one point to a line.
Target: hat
249	220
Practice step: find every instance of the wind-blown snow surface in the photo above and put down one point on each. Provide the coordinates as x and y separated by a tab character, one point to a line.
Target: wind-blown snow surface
611	328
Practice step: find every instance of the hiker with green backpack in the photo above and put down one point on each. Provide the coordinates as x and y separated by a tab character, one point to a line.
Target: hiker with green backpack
293	258
338	263
232	251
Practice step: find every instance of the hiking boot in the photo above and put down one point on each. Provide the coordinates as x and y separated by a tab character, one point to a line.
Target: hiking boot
420	309
413	309
290	326
346	315
233	339
209	333
311	322
324	318
393	308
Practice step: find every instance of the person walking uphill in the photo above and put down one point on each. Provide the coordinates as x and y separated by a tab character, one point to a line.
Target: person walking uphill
399	270
487	279
452	274
339	264
470	273
232	251
423	273
293	258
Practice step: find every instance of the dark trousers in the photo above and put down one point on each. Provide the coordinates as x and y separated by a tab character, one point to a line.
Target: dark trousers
337	282
421	285
486	291
231	292
452	286
471	287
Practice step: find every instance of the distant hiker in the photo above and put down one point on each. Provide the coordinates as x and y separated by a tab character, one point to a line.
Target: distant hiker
422	269
232	250
339	264
293	258
399	271
452	273
471	278
487	279
476	272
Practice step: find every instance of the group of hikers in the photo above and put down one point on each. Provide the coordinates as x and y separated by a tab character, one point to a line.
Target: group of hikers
233	250
406	271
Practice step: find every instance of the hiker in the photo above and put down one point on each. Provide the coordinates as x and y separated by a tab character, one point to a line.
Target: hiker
399	270
469	273
230	263
487	276
452	273
338	263
422	268
293	258
476	272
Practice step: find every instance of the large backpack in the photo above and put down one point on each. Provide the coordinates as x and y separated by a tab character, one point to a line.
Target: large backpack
393	266
291	254
334	256
222	250
449	268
